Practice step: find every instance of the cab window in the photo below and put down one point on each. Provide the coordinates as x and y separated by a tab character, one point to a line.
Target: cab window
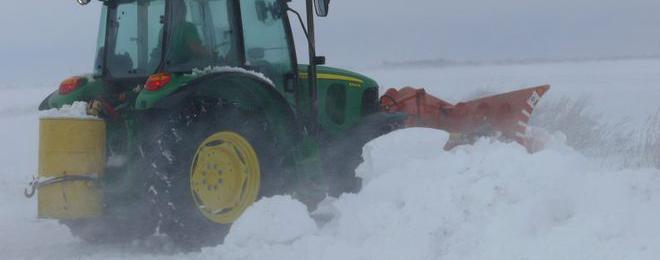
135	30
266	42
201	35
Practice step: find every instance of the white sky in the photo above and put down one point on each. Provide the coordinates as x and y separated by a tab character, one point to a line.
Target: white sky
45	41
488	29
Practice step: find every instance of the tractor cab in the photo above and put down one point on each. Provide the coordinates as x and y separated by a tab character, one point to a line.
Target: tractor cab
138	38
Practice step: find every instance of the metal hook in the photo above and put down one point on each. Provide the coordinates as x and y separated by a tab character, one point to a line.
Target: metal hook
32	189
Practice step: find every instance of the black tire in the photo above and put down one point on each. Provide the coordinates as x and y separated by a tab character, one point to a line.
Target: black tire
172	153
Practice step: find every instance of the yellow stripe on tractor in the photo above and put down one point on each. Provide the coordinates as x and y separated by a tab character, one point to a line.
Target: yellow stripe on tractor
328	76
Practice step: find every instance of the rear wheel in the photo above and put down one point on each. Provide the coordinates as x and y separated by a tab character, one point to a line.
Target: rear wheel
224	176
209	166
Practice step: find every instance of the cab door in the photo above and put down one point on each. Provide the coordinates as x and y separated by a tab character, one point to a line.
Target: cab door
268	43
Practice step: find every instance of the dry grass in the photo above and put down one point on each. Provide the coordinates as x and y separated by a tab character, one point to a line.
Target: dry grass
650	147
616	142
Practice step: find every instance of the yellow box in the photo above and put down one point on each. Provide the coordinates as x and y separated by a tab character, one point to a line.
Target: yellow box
71	147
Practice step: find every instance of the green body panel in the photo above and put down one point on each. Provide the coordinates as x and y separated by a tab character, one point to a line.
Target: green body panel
341	105
247	92
341	98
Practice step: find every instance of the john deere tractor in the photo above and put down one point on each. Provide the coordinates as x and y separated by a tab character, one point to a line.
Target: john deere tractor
205	110
200	108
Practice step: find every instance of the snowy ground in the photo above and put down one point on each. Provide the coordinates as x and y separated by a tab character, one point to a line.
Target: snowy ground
488	201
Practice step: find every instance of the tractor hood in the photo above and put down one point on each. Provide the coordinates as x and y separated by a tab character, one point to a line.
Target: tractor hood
325	73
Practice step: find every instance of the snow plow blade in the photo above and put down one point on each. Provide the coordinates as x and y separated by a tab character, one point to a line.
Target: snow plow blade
505	116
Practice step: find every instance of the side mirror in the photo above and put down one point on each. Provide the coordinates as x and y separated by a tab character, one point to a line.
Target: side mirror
83	2
322	7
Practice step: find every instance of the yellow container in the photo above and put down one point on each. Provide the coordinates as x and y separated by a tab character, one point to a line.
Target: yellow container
71	150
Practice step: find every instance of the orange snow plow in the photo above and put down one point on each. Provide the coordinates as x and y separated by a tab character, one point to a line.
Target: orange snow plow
505	116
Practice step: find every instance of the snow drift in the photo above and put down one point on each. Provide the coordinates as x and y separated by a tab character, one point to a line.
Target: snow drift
487	201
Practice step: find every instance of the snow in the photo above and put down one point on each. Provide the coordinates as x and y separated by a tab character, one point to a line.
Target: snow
287	221
219	69
487	201
77	110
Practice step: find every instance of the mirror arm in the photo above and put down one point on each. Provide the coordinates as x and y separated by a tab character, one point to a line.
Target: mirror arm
313	62
302	24
311	70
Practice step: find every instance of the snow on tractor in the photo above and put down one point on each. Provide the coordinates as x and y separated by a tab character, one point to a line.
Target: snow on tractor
199	107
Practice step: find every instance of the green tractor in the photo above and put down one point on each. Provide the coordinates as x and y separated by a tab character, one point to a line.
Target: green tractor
205	109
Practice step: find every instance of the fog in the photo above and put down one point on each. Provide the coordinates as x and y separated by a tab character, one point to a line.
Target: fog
46	41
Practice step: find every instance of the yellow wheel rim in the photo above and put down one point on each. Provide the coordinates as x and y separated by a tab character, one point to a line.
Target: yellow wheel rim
225	177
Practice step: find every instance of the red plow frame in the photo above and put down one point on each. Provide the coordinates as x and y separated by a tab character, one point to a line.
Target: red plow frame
505	115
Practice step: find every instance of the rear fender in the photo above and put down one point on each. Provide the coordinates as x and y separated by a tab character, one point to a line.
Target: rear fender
89	89
245	91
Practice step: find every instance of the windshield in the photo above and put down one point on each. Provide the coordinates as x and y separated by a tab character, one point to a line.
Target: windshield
201	34
134	31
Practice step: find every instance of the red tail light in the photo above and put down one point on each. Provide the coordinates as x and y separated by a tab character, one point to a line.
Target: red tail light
158	81
69	85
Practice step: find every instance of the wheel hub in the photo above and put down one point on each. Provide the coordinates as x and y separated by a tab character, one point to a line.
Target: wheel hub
225	177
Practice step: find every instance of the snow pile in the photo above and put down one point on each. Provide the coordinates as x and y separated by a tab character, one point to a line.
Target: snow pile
287	220
219	69
76	110
487	201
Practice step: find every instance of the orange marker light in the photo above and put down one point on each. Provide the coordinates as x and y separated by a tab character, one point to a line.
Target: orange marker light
69	85
158	81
